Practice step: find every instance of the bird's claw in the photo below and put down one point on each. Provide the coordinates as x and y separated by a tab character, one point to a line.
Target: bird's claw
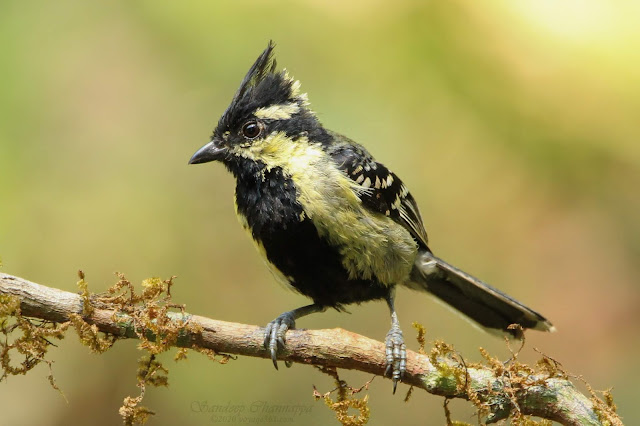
274	335
396	354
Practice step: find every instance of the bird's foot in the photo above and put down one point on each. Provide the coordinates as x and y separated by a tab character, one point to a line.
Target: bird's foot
274	335
396	354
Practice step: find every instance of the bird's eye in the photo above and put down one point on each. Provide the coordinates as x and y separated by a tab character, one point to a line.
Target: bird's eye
251	130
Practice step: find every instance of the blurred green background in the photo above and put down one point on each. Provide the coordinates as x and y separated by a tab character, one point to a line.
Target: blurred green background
515	125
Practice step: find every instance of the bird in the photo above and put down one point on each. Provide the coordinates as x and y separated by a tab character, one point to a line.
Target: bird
333	223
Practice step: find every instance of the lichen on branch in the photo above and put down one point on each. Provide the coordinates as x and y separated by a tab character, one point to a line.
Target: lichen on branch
32	316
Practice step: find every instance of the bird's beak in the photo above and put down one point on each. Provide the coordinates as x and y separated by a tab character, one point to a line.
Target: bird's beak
210	152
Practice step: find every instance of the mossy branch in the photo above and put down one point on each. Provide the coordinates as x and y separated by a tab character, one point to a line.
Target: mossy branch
498	390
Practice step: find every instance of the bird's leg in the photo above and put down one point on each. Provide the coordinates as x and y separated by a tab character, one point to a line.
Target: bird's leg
276	329
396	351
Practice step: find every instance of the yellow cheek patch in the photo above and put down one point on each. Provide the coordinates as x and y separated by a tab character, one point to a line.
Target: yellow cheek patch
278	112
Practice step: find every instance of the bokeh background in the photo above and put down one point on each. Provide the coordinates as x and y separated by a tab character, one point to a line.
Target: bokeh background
514	123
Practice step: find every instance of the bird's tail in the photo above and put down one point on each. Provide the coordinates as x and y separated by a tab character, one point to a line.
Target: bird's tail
487	306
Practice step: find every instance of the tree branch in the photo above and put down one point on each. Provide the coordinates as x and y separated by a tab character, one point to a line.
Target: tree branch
544	395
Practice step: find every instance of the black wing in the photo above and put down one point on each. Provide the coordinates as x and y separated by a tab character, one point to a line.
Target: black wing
383	192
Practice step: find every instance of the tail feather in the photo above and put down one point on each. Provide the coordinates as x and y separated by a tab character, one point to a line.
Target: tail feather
487	306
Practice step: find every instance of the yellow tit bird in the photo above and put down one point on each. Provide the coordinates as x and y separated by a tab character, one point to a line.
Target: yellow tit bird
332	222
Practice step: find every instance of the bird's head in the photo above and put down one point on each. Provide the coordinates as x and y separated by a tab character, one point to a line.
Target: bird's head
267	107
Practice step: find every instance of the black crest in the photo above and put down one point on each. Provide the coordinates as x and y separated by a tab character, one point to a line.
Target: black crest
264	65
261	87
